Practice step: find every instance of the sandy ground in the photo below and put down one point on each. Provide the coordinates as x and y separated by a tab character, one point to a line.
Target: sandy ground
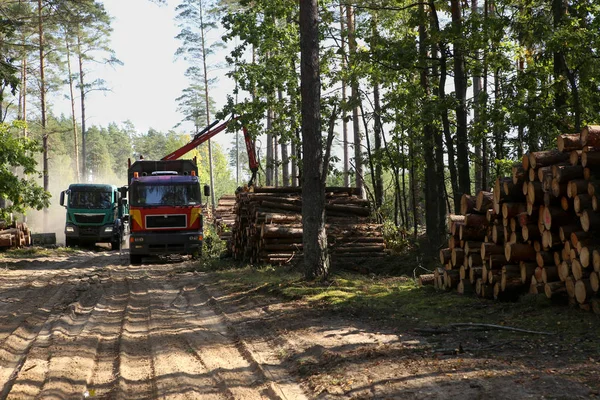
92	326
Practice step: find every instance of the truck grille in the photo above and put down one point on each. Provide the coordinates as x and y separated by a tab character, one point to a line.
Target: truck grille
166	221
89	218
89	231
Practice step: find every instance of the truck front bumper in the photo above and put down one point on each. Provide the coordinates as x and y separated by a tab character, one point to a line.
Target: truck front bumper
141	243
90	234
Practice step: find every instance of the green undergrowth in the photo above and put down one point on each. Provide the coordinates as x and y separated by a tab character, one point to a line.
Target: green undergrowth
398	301
36	251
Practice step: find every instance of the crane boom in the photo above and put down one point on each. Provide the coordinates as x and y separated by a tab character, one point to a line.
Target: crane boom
209	132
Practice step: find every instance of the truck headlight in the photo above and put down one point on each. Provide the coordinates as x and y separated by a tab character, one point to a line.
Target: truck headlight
70	229
108	229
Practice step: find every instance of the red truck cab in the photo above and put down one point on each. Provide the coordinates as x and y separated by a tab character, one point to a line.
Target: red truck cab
165	208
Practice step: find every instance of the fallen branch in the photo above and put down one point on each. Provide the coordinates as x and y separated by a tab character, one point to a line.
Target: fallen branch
475	326
500	327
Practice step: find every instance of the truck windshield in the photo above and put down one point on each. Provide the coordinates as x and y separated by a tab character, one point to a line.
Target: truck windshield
90	199
165	195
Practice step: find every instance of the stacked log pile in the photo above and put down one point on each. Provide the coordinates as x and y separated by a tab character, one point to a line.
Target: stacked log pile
535	231
268	226
14	235
224	217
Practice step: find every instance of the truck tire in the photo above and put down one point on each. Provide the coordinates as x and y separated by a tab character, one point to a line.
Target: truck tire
115	244
135	259
71	242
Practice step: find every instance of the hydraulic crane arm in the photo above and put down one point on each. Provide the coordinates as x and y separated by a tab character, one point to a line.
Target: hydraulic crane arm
209	132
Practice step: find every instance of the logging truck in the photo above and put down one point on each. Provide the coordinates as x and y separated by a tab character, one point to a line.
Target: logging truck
165	200
96	213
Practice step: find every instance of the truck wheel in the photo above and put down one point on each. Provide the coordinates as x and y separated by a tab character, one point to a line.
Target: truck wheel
135	259
115	245
70	242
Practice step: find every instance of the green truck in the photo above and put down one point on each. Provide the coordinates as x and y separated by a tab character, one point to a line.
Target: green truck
96	213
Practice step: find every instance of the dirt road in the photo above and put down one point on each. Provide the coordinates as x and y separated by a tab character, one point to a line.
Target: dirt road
94	326
89	325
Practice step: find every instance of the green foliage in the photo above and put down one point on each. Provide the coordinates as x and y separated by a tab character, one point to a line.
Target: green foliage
17	154
212	245
504	167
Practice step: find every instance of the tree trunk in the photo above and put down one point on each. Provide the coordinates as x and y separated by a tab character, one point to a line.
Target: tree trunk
207	104
82	95
23	89
316	257
559	11
460	86
444	112
73	119
294	163
377	131
354	96
43	106
269	161
432	191
479	142
285	159
346	159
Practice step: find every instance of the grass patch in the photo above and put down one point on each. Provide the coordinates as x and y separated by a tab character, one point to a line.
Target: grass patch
399	301
36	251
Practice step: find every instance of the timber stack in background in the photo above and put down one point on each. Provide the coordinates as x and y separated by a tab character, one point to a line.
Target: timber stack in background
535	232
14	235
224	218
266	225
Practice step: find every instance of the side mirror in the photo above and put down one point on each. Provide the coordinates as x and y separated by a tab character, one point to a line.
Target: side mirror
62	198
123	191
124	202
206	190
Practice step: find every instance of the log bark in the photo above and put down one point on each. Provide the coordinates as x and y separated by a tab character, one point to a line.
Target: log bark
549	273
515	252
474	260
458	257
511	210
527	269
476	220
565	173
535	193
583	291
575	157
475	273
518	174
559	189
556	216
484	201
595	281
540	159
488	249
554	288
565	231
465	287
564	270
590	220
590	136
426	279
576	187
544	258
467	204
472	232
568	142
593	188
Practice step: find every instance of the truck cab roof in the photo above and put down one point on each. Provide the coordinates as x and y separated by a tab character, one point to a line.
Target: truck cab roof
101	187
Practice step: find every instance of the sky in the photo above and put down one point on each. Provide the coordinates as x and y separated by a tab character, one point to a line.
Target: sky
144	88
